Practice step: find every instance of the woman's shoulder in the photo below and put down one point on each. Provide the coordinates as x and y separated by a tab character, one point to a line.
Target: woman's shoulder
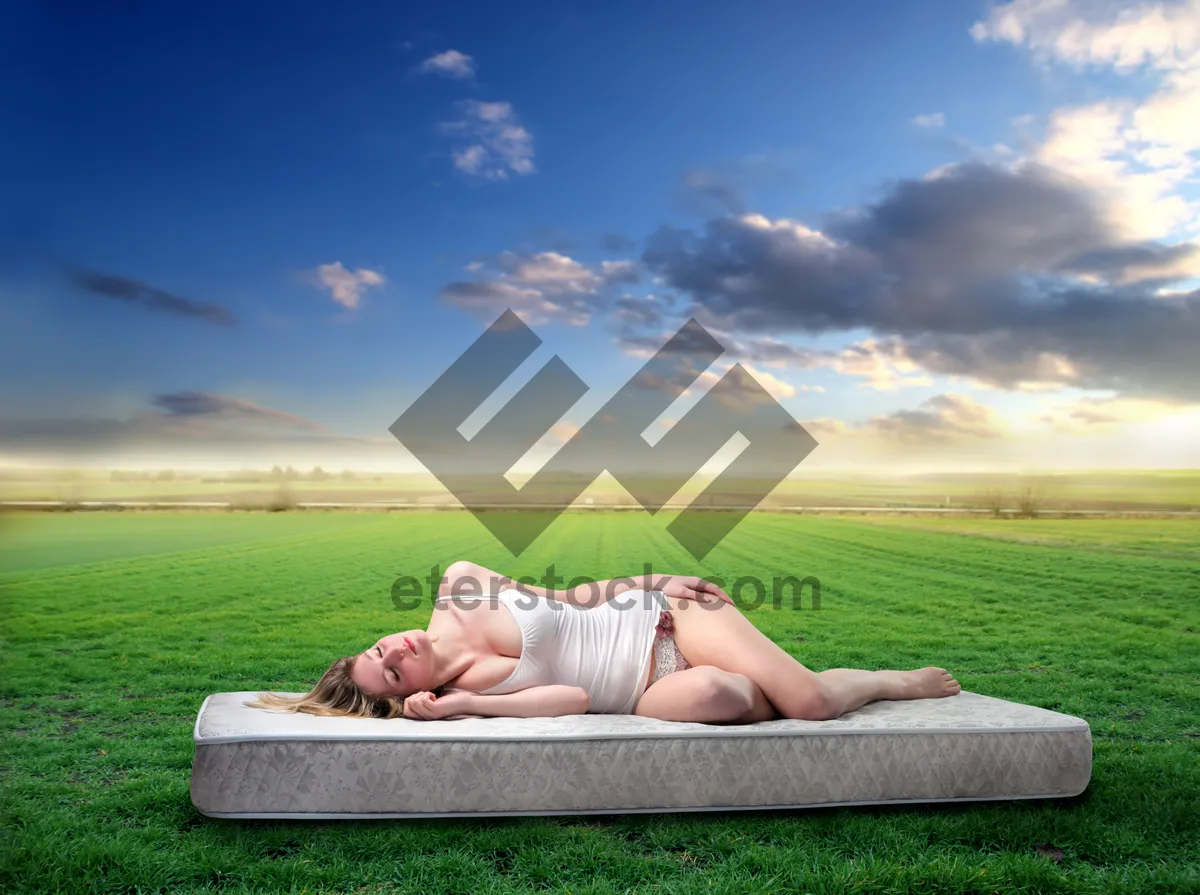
467	598
518	603
507	594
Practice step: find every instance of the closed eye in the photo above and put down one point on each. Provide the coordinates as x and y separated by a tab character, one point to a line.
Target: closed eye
395	673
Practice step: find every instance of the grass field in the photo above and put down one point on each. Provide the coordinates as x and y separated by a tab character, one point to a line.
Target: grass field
116	625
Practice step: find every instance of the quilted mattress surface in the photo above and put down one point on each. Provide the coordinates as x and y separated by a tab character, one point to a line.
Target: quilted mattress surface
255	763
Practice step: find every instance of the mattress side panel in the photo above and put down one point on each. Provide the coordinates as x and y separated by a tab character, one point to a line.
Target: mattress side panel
372	777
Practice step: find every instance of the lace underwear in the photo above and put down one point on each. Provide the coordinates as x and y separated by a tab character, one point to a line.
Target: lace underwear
667	657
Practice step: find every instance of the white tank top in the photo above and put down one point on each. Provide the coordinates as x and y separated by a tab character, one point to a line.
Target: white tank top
604	649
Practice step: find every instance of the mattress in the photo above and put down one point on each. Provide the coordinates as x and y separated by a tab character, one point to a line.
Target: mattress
253	763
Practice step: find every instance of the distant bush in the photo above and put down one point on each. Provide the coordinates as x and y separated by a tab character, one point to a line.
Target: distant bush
279	502
282	501
1030	502
993	501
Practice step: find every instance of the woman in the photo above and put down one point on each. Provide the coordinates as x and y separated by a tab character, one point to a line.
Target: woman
682	652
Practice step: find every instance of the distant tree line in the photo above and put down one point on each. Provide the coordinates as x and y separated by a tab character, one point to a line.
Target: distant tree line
252	476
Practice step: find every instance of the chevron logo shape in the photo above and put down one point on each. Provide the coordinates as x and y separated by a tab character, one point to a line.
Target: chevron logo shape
473	470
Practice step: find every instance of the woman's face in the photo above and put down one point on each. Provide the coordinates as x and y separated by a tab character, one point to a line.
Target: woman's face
395	665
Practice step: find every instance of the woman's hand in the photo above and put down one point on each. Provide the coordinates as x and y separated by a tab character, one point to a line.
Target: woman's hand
424	706
690	587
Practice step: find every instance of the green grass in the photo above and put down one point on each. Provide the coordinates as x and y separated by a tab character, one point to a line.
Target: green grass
115	627
1166	538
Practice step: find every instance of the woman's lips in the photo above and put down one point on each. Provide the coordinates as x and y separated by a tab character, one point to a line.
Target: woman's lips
410	646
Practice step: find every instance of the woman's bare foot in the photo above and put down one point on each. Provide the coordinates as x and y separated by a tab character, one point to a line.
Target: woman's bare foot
923	683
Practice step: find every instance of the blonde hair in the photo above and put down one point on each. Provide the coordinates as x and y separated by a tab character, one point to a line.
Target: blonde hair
335	695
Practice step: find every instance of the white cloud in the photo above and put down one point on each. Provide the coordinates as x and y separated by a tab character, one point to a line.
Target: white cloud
549	270
947	417
941	421
450	64
620	271
825	427
471	160
564	431
494	144
883	368
546	286
774	386
1138	177
1162	35
346	287
945	433
813	240
1139	154
1089	414
931	119
879	365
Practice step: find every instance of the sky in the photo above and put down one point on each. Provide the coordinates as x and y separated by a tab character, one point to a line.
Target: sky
943	236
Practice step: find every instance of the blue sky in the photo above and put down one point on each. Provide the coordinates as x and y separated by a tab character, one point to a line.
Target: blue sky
332	203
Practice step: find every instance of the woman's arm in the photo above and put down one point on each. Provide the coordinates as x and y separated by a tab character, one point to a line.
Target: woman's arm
465	577
533	702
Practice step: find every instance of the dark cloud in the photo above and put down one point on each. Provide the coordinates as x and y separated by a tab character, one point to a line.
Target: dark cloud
137	292
205	404
726	189
1129	342
938	419
704	192
757	350
177	420
975	270
974	223
691	339
633	312
773	352
490	297
672	379
1116	263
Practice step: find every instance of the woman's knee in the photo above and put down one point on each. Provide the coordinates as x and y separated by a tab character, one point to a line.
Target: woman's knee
730	695
816	702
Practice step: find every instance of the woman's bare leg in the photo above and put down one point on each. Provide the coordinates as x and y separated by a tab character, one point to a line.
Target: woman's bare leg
859	687
719	634
707	694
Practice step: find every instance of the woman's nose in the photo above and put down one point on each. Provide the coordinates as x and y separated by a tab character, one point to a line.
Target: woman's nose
394	651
